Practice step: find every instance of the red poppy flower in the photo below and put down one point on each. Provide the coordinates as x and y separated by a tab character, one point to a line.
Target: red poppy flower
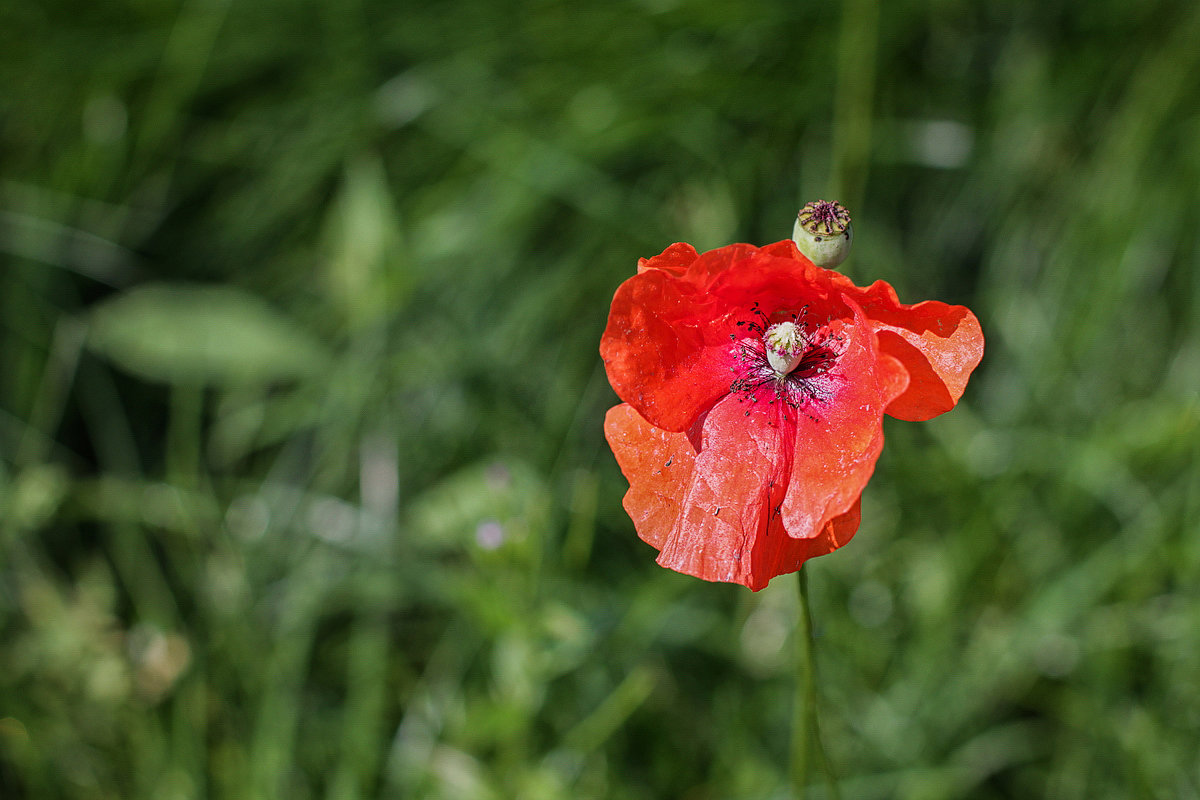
754	387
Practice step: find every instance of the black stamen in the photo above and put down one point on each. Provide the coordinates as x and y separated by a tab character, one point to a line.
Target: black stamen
797	388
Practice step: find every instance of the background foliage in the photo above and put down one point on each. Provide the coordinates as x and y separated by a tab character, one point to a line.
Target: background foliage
303	491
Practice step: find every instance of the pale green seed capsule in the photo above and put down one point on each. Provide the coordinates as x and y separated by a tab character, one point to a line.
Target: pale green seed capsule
823	233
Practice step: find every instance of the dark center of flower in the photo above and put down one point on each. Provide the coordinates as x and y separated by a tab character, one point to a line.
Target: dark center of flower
784	362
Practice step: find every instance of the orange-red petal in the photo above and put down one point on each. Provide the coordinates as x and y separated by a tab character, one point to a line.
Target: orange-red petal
666	348
704	498
658	465
838	444
938	344
675	259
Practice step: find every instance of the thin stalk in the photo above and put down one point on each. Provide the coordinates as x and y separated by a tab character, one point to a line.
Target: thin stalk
806	731
853	102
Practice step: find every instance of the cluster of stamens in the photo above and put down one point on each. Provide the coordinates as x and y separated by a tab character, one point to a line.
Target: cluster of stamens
785	358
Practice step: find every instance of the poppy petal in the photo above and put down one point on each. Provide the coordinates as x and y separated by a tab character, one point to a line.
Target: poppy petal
728	528
938	344
658	465
666	348
712	514
675	259
839	441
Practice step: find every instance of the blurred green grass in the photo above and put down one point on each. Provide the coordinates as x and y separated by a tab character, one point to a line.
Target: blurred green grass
303	491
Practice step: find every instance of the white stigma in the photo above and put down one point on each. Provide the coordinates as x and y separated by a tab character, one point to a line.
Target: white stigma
785	346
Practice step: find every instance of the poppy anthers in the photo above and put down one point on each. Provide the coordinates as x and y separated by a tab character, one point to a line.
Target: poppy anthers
754	387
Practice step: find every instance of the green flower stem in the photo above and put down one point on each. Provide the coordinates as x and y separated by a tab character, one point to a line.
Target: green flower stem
806	732
853	112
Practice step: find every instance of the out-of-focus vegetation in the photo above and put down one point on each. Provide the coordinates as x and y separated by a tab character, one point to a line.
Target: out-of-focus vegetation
303	491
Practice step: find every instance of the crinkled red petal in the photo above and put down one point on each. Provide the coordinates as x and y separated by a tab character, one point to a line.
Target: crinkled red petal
780	287
666	348
708	266
701	270
839	440
709	498
672	500
938	344
728	528
658	465
675	259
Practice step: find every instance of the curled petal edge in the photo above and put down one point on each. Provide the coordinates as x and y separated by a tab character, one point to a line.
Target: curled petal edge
940	345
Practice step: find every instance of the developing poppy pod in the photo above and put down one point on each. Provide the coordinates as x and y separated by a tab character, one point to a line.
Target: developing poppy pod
754	387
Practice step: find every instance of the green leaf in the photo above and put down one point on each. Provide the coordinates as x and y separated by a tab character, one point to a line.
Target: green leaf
184	334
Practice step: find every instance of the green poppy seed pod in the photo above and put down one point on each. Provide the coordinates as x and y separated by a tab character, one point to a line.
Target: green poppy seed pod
823	233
